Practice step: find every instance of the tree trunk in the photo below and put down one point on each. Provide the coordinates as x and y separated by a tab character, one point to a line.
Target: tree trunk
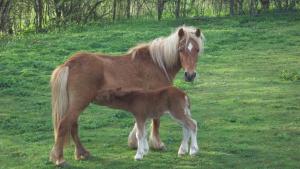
38	8
252	7
292	4
177	10
128	9
114	9
231	6
240	4
278	4
5	23
184	8
138	8
265	4
160	8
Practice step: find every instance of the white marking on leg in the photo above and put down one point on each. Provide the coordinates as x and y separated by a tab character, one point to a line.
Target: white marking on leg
194	145
146	145
190	47
186	107
140	149
183	149
132	141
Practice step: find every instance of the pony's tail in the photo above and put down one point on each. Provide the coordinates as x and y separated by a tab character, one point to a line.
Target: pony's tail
60	100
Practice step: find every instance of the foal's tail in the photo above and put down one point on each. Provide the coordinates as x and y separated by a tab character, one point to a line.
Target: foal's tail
60	100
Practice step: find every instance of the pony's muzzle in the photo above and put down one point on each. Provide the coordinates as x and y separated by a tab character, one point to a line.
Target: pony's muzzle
189	77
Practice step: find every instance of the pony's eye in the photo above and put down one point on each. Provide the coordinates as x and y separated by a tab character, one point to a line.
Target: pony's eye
197	50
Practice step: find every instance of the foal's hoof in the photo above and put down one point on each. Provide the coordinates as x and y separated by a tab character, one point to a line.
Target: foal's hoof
181	154
138	157
82	156
194	152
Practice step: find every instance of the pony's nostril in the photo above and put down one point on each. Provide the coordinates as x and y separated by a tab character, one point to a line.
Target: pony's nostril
194	75
185	74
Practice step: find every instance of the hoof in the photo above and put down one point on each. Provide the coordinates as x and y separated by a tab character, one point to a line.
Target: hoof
82	155
132	145
157	145
61	164
181	153
55	160
194	151
138	157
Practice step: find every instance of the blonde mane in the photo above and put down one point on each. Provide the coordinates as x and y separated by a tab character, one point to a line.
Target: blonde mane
164	50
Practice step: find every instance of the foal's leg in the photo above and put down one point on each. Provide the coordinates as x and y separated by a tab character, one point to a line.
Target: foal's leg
191	125
189	130
140	135
154	140
194	145
146	145
183	149
132	141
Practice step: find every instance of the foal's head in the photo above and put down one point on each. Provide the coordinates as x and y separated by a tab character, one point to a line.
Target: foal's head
190	44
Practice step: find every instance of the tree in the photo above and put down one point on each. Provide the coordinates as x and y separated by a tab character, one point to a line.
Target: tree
231	5
177	10
160	8
5	23
240	6
128	8
114	9
38	8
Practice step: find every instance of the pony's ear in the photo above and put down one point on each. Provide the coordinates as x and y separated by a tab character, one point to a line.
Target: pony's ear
198	32
180	33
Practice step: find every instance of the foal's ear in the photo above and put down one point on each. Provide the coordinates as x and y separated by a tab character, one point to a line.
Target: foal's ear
180	33
198	32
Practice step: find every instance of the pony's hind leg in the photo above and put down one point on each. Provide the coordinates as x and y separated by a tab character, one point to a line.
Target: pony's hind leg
80	152
56	154
76	106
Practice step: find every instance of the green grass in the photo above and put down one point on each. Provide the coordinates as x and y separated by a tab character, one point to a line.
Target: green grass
246	98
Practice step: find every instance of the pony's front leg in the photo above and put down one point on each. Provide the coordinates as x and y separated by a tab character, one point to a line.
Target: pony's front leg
154	139
140	135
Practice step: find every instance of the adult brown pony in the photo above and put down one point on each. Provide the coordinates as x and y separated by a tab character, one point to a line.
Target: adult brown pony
149	66
153	104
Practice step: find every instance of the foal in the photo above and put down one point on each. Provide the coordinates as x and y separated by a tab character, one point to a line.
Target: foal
153	104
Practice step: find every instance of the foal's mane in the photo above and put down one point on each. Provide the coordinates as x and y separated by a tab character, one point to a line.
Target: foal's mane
164	50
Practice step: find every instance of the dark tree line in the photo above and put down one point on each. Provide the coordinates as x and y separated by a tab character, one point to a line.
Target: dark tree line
19	15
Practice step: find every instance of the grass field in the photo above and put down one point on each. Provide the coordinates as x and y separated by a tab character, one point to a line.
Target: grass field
246	98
